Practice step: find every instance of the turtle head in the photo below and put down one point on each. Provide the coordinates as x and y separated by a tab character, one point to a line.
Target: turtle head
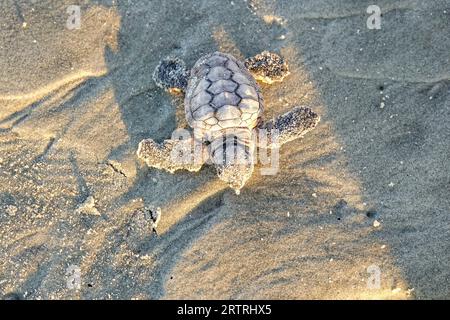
235	175
232	155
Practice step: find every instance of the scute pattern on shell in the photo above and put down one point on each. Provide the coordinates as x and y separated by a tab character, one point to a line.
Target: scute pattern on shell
222	94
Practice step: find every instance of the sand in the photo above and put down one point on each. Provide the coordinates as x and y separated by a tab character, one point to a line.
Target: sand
365	193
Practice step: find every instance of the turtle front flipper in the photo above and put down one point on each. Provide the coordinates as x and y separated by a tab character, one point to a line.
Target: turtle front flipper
171	74
267	67
173	154
287	127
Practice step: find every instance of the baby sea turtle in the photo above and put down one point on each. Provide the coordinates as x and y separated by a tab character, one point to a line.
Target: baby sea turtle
224	107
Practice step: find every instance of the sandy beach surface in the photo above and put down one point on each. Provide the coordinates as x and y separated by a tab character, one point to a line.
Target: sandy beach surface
366	194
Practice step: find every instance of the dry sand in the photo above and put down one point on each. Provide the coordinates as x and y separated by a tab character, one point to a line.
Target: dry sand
75	103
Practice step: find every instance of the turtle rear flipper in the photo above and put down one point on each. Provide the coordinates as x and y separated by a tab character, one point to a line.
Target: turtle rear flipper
172	155
287	127
171	74
267	67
